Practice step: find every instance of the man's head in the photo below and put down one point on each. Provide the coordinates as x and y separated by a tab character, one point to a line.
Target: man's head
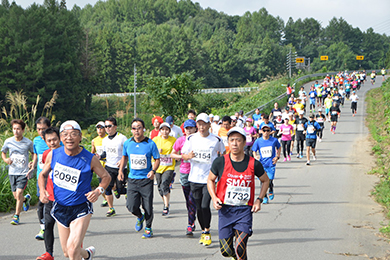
300	113
266	118
42	124
169	120
226	122
236	140
257	111
203	123
18	127
191	114
266	130
110	125
189	127
52	137
311	117
100	129
138	128
70	133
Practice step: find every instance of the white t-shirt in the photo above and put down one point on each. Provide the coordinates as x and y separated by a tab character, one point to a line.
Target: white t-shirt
215	128
113	149
176	132
206	151
354	98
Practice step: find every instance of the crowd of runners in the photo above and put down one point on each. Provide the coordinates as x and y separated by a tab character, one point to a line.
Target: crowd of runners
220	157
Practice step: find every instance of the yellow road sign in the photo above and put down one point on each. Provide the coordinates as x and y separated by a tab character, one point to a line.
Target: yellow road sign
359	57
324	57
299	60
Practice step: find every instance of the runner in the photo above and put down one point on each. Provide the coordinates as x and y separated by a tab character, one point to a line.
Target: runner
202	148
278	122
214	125
267	149
320	118
373	76
166	168
97	148
383	71
328	104
354	98
234	197
312	101
156	121
189	128
191	114
268	123
300	136
225	127
140	149
291	121
19	172
275	109
112	150
334	115
251	136
52	138
40	147
311	128
71	168
286	129
175	130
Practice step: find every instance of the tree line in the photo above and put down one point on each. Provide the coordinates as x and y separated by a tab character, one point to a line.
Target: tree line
83	51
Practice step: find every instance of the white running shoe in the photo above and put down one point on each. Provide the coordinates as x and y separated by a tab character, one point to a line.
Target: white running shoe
91	250
314	158
320	140
308	163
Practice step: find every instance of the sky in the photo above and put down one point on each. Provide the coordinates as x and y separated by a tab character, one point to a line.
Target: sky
359	13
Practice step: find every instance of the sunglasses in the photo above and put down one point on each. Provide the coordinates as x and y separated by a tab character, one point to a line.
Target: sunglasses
266	130
108	126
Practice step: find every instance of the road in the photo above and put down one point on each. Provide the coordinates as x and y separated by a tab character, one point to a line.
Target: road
322	211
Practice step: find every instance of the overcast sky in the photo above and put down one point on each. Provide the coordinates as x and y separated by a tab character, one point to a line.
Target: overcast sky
358	13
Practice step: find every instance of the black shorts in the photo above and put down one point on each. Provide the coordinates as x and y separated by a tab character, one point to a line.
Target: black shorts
114	179
18	182
333	118
311	142
65	215
300	136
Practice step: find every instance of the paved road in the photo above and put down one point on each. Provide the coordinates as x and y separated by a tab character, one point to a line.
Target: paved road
322	211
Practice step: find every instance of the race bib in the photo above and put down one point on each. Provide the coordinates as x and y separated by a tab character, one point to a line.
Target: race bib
266	152
320	119
138	161
18	160
286	131
202	156
112	151
248	138
225	140
66	177
40	163
312	95
336	98
237	196
310	129
165	160
300	127
334	113
99	150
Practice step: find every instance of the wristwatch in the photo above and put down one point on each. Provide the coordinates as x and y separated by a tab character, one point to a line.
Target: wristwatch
154	171
261	200
101	189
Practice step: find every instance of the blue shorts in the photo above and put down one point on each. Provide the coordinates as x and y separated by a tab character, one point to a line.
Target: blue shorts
234	218
327	111
65	215
312	101
270	172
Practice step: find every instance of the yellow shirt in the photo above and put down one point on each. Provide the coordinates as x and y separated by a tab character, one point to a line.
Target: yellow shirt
165	146
98	143
292	122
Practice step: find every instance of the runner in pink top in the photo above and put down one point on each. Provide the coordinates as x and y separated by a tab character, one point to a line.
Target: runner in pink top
250	136
185	167
286	130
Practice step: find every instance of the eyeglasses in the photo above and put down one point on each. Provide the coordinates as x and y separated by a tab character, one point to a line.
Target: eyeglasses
72	134
136	128
108	126
266	130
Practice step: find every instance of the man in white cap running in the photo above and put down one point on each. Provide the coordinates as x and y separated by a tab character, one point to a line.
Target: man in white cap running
201	149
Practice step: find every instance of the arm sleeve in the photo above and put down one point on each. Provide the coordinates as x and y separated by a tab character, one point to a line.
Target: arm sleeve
259	169
218	166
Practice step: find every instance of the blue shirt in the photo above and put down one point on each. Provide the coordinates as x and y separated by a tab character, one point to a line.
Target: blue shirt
140	157
270	124
40	147
315	126
313	94
256	117
267	150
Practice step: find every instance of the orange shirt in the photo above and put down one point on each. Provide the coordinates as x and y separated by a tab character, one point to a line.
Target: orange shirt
223	134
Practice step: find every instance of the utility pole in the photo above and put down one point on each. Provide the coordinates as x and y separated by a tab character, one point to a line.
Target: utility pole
290	61
135	89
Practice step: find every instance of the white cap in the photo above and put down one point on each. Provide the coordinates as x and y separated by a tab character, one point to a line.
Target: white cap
216	118
233	117
100	123
204	117
301	112
165	124
211	115
70	125
237	129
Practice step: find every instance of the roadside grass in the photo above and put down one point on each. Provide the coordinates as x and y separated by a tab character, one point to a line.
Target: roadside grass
378	120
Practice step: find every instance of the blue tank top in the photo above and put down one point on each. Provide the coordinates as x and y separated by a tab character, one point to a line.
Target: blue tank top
71	176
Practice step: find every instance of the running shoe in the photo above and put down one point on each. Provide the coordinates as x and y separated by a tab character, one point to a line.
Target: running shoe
201	240
15	220
148	233
104	203
45	256
271	196
298	156
91	250
111	212
288	158
265	200
165	211
207	239
308	163
314	158
285	159
190	231
40	235
26	202
320	140
116	194
140	223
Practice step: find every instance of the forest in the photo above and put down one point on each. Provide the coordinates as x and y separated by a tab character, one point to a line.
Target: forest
79	52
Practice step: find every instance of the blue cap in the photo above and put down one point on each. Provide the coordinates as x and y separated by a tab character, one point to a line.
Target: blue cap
189	123
169	120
